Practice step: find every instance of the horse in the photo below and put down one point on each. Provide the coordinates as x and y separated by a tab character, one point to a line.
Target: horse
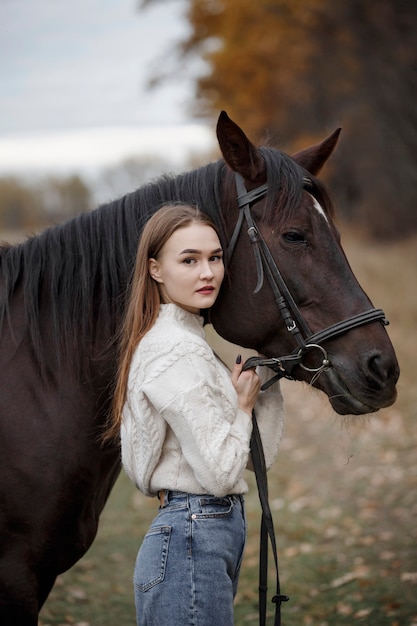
289	290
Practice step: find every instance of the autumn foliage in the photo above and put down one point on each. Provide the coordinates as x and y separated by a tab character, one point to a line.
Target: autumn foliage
290	71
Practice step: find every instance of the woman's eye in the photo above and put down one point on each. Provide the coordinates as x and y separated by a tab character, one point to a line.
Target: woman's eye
189	261
217	257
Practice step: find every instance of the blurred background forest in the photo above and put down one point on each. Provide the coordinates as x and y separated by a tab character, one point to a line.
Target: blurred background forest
289	72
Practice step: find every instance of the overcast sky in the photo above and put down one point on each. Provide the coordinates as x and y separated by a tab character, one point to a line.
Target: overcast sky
80	69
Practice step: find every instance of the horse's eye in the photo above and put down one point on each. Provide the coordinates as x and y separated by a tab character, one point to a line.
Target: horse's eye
292	236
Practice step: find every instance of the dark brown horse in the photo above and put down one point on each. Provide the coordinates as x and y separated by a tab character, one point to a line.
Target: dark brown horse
63	295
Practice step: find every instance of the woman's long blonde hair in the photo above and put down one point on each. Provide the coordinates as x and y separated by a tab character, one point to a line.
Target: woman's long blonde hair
144	298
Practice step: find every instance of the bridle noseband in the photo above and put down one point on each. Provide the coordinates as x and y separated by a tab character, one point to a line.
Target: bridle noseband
294	321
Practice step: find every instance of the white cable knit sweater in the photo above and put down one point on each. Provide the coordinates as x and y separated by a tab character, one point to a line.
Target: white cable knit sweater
182	428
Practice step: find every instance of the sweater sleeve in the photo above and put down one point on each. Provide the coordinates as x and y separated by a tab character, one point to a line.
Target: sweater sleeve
198	401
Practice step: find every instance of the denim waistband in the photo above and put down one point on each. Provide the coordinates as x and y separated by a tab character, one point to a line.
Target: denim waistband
167	496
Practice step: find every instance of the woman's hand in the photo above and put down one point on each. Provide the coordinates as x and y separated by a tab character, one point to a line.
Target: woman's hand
247	385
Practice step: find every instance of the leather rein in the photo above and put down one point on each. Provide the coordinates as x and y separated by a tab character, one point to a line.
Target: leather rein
282	366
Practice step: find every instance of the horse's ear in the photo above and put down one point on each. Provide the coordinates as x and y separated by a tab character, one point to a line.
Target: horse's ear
238	152
314	157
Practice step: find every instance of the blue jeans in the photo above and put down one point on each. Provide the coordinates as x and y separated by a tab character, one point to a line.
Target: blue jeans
188	565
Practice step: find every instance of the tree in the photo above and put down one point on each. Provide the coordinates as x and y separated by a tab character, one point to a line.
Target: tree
30	206
20	206
116	180
66	197
291	70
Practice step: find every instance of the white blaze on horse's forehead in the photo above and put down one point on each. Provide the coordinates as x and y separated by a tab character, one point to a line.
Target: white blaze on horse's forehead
318	207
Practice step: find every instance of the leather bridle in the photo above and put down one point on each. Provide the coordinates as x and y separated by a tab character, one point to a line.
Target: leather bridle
295	323
282	366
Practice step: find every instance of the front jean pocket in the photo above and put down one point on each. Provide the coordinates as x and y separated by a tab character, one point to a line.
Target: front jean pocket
152	558
212	507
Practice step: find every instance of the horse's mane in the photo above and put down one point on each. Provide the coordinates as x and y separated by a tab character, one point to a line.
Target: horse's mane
80	270
85	263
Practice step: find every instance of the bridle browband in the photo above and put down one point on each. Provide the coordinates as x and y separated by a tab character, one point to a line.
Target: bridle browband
294	321
282	366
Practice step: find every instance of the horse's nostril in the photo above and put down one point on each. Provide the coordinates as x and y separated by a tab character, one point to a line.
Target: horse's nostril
381	368
376	366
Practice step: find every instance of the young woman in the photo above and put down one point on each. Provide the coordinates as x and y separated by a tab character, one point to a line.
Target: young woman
185	425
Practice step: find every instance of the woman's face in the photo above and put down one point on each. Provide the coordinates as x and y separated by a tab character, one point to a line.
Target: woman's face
189	267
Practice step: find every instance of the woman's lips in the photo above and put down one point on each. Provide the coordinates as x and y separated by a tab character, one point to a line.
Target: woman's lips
206	290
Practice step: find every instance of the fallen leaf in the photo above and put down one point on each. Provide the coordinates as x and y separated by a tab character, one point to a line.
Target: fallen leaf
409	577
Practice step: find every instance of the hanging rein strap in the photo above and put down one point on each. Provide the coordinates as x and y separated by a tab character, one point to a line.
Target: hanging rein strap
267	530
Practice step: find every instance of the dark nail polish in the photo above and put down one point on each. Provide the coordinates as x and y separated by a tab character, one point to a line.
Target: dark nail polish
239	359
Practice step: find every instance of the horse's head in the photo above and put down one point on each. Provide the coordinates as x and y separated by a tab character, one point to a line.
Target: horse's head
315	289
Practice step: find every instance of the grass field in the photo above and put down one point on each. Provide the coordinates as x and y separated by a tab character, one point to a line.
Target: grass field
343	494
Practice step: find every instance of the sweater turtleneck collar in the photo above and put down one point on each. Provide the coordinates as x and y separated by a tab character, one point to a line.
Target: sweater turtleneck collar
192	321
